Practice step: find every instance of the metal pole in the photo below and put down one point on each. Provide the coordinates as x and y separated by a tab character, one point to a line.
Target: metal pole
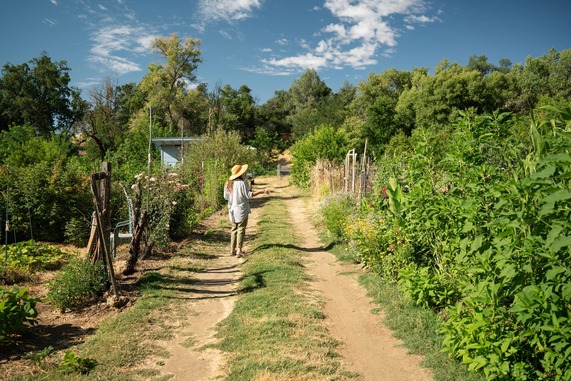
149	154
6	227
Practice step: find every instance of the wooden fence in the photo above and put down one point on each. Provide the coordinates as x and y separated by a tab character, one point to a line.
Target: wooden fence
354	176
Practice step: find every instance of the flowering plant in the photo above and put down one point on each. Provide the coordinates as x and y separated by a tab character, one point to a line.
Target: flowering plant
164	196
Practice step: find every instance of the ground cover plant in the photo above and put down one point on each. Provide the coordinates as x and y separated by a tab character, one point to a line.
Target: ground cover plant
31	256
17	311
475	226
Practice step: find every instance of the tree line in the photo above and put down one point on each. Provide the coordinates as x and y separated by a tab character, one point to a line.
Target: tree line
44	121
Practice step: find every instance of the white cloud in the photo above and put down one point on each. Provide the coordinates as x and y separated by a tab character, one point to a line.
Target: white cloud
225	34
112	40
282	41
362	32
422	19
226	10
115	64
270	70
54	2
308	60
49	21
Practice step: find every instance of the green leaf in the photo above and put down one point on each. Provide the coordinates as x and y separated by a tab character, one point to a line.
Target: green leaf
560	195
545	173
547	208
560	242
553	273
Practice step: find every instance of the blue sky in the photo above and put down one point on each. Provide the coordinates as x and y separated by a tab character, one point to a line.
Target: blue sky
267	44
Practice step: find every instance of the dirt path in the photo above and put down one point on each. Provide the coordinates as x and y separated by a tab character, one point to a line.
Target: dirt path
215	297
367	347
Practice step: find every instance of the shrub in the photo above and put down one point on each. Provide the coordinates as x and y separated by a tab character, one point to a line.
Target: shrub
335	212
17	311
78	283
324	143
77	231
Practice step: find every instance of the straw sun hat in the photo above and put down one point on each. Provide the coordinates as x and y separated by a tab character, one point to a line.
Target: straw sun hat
238	170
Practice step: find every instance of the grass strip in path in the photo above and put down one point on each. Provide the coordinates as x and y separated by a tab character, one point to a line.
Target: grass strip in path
276	330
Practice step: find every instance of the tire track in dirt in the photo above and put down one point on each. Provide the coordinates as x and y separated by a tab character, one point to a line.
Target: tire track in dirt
368	347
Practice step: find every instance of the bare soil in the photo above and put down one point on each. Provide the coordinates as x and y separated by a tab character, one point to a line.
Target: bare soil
368	348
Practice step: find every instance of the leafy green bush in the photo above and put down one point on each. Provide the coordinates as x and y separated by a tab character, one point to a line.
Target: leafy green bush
514	321
17	311
484	222
78	283
32	256
324	143
379	243
335	213
77	231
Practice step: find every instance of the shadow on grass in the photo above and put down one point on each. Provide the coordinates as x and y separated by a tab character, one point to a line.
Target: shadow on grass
253	282
36	338
269	246
181	287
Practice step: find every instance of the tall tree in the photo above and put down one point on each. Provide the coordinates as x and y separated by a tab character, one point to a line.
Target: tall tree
376	102
307	94
102	126
238	110
273	115
480	64
308	90
166	84
38	94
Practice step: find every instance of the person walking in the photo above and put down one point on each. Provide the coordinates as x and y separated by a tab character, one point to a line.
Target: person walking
238	194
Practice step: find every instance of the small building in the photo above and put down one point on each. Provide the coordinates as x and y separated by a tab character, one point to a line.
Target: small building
171	148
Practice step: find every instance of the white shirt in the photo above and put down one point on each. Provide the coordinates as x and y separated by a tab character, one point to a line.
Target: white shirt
238	201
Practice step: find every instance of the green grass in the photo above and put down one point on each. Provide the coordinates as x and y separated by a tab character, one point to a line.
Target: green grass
416	327
276	330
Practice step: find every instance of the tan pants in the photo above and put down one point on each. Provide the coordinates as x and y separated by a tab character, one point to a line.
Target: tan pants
237	234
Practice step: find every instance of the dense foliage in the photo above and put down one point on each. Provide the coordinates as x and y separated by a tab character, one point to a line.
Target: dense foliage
30	256
473	221
324	143
17	311
79	282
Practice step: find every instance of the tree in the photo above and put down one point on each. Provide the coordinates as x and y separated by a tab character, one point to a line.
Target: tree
238	111
308	90
376	102
102	125
195	106
306	96
273	115
480	64
38	94
166	84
